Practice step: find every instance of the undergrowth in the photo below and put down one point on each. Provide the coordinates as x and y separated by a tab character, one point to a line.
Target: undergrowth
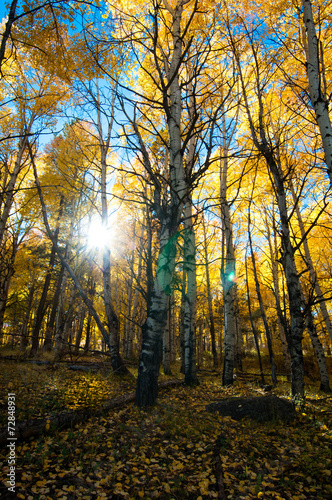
166	452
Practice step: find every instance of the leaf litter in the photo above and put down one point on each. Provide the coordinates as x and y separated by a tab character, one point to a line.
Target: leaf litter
168	451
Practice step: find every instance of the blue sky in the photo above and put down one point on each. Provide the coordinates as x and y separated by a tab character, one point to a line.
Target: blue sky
3	10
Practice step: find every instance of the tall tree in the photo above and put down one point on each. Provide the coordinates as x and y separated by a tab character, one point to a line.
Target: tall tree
318	94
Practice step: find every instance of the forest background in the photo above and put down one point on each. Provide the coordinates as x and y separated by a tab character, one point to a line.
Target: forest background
166	175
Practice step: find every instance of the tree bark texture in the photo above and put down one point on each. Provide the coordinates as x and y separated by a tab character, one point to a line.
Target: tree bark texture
151	353
190	374
312	271
319	101
150	358
209	298
261	305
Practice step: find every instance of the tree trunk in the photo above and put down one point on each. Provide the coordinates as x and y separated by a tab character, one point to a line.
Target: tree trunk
80	328
10	191
254	331
87	301
319	101
270	153
51	321
261	305
282	324
6	34
151	353
209	298
166	342
7	271
228	277
181	318
312	271
319	351
24	328
42	305
227	269
147	381
134	325
87	334
60	317
293	284
229	291
190	375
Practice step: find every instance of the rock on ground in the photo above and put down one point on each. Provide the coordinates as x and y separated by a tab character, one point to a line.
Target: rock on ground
262	408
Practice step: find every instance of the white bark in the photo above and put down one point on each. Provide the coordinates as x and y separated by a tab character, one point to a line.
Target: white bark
113	323
227	273
190	296
147	382
10	188
209	299
166	342
312	271
276	293
268	152
319	101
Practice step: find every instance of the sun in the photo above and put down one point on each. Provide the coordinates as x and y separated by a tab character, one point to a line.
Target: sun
99	235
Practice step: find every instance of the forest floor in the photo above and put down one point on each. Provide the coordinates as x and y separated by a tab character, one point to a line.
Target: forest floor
167	452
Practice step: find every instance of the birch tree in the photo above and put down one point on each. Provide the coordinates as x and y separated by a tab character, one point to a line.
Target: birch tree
166	69
257	120
315	72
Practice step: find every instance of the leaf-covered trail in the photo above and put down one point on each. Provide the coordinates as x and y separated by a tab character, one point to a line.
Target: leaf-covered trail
168	452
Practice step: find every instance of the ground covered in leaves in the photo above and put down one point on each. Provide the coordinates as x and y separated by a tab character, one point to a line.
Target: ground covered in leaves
168	452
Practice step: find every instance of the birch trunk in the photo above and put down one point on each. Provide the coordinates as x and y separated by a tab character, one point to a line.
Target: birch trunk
112	319
80	328
293	285
190	375
319	101
227	270
134	323
166	342
261	305
147	381
209	298
319	351
282	325
181	318
270	154
189	256
151	353
254	331
48	342
129	331
72	274
24	329
312	271
228	278
10	191
5	279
